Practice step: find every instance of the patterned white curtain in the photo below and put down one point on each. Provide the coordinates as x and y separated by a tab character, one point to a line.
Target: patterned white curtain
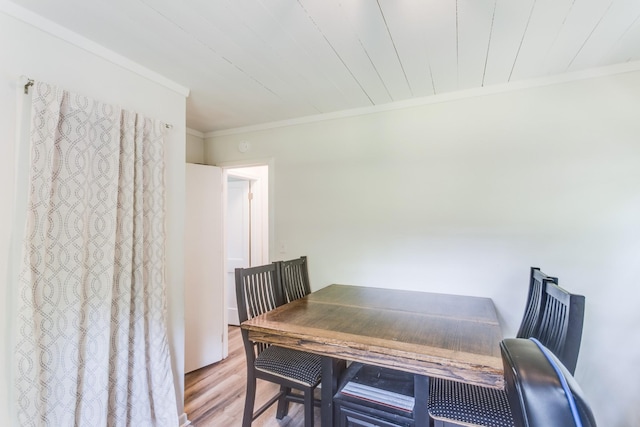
91	347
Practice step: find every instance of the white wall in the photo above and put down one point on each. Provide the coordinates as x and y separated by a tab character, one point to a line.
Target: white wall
39	55
464	196
195	147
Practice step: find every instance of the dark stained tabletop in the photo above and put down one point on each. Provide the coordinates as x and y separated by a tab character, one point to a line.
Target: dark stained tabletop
438	335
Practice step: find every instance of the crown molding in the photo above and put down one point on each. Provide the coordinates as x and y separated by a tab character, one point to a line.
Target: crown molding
435	99
82	42
194	132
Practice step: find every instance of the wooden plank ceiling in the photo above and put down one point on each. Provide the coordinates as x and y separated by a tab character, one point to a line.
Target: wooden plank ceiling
255	61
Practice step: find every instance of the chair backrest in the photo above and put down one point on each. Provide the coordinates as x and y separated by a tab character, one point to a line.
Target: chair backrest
560	328
541	391
258	290
535	302
295	278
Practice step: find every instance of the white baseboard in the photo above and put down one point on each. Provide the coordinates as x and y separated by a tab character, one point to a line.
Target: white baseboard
184	422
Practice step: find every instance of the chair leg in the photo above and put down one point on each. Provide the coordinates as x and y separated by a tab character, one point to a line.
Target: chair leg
308	408
283	403
249	401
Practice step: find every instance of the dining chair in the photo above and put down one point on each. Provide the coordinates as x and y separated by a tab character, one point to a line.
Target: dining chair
295	278
451	401
259	290
535	302
559	328
541	391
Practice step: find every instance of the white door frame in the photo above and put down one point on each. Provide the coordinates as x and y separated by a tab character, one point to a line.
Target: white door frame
237	239
267	232
259	231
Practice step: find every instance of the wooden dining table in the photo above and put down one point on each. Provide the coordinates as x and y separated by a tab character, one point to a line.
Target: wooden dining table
428	334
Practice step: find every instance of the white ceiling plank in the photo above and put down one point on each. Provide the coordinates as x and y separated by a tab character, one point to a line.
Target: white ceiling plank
406	23
287	93
304	27
267	43
439	39
240	51
278	48
72	14
334	25
627	47
582	20
547	20
371	28
510	27
242	108
309	74
475	23
249	94
613	25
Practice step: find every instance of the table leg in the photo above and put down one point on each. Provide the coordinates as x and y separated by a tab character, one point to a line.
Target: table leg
331	369
421	395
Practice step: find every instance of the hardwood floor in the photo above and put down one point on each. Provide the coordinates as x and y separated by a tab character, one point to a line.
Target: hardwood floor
214	395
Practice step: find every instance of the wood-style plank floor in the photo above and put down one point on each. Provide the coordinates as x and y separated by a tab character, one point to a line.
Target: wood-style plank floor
214	395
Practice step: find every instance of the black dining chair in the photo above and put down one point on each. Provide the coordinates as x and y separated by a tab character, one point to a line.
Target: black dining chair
541	391
559	327
535	302
295	278
259	290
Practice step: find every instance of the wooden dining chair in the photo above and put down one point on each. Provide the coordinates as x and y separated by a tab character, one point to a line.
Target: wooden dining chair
541	391
259	290
559	328
295	278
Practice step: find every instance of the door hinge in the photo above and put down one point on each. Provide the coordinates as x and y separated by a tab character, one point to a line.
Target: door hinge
250	196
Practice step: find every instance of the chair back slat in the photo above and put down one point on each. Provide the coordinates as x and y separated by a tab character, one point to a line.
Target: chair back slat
535	302
560	329
295	278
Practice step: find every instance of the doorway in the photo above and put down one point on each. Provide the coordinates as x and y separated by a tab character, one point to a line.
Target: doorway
246	225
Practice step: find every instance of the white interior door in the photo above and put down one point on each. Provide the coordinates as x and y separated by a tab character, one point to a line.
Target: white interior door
205	326
238	241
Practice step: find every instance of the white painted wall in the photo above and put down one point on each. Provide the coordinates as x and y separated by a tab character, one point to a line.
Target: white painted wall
195	147
39	55
464	196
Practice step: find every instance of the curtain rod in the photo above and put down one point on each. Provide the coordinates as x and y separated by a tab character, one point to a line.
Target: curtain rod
29	82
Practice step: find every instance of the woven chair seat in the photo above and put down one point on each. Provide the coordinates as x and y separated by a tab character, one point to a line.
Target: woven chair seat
304	368
469	404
